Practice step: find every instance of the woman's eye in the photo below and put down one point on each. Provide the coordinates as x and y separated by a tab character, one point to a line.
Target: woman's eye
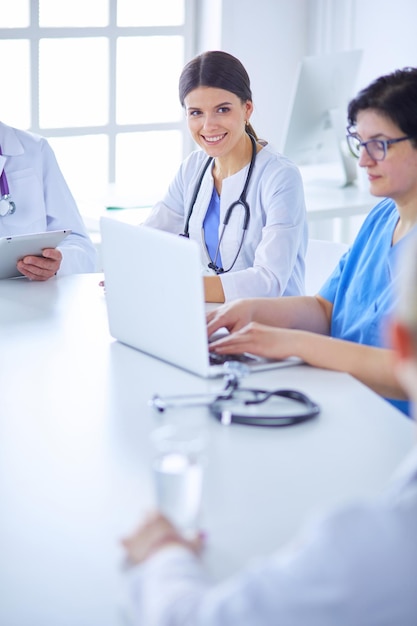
223	110
194	113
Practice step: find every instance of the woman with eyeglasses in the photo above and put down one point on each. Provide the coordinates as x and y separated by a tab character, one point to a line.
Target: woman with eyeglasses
342	327
238	198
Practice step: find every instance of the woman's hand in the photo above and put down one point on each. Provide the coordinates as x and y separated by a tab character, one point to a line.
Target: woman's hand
41	267
265	341
233	316
154	534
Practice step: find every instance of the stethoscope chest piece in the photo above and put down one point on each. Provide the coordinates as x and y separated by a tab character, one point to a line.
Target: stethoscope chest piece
7	206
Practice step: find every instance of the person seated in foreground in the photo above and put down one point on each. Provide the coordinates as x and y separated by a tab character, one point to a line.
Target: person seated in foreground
357	566
341	328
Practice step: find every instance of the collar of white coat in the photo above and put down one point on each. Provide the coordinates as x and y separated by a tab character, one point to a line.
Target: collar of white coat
10	144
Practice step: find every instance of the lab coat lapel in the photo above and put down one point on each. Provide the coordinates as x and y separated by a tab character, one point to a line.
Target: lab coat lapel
9	142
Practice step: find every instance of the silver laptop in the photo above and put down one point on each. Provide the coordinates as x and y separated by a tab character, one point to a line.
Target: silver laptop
155	298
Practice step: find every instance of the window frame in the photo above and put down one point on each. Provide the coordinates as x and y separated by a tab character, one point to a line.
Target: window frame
34	33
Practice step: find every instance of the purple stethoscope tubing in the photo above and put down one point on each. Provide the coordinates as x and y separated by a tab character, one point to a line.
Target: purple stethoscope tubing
5	192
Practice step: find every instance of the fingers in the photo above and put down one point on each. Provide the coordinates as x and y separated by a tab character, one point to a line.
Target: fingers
242	340
52	253
148	537
234	316
255	338
196	544
225	317
41	267
155	533
214	321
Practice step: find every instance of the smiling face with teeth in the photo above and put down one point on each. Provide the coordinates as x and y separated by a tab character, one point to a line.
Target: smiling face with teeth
216	120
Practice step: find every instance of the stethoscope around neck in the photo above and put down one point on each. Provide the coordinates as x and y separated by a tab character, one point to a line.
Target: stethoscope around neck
7	206
241	201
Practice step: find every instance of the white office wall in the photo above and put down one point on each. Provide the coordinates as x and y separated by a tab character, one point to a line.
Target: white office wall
386	30
383	29
271	36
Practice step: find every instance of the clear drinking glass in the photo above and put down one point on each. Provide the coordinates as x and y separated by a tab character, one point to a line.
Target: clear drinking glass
178	473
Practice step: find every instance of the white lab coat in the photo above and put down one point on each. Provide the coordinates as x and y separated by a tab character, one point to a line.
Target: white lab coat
357	567
42	198
271	262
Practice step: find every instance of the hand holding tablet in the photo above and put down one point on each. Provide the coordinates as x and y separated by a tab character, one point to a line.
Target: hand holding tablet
16	247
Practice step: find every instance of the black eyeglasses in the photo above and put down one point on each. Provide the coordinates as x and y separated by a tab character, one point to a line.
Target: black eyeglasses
376	148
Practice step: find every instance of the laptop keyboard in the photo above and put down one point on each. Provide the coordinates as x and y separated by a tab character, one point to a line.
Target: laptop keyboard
219	359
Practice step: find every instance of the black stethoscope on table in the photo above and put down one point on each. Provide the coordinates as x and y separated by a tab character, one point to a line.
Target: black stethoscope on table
247	406
241	201
7	206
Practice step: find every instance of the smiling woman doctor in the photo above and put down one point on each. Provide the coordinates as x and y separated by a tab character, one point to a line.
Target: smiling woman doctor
34	197
243	202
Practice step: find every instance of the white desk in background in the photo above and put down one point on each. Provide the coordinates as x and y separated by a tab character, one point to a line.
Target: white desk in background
334	212
75	456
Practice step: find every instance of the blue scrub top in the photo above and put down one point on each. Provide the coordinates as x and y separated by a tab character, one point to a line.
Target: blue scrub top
211	227
361	287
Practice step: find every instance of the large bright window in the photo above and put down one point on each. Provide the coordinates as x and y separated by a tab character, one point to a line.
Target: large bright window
99	78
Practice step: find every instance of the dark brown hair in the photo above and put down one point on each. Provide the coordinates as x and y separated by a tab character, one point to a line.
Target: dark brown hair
393	95
220	70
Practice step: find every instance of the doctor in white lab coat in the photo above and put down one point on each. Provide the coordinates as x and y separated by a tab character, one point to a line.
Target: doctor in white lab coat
41	201
238	198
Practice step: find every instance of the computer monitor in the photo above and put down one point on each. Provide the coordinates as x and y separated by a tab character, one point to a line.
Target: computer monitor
316	125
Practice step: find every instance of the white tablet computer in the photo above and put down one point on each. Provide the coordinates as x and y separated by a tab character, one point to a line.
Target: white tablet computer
16	247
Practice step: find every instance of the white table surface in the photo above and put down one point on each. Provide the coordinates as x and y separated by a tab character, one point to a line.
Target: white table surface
75	456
